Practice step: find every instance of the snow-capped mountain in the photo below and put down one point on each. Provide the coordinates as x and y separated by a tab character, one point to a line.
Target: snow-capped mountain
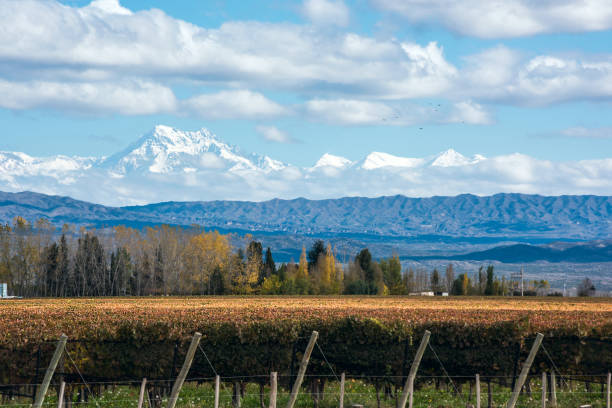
377	160
166	150
171	164
329	160
16	165
452	158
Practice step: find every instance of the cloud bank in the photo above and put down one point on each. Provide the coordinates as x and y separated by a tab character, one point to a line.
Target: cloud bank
507	18
104	58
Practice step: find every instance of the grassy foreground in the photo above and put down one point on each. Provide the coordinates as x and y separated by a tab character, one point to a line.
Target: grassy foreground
356	393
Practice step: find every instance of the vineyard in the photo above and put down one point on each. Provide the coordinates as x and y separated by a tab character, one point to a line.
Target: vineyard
119	340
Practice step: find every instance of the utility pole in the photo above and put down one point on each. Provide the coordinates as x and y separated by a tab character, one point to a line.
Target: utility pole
522	287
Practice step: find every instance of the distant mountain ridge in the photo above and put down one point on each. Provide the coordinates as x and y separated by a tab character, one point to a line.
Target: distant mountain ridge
508	215
589	252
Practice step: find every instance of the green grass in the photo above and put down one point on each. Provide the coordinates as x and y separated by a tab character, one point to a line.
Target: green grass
357	392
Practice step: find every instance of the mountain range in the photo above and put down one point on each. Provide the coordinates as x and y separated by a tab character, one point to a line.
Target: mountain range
582	252
501	215
166	150
171	164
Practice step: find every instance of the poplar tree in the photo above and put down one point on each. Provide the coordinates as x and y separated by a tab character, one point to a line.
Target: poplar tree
301	279
489	290
435	280
269	265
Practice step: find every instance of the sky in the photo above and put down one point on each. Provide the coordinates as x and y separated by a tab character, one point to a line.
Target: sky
297	79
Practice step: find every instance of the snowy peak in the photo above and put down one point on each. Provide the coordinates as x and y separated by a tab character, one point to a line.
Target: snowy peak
329	160
13	161
376	160
448	158
21	164
452	158
267	163
168	150
173	140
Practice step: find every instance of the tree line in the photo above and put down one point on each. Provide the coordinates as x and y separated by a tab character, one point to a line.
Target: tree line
37	260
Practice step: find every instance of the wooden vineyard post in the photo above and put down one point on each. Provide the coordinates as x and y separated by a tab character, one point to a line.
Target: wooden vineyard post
608	385
42	391
525	371
409	385
342	379
60	396
302	370
143	387
217	387
544	390
273	389
477	390
553	389
178	384
237	401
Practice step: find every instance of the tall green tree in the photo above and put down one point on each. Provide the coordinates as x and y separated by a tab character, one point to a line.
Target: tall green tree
51	270
490	288
364	260
64	274
269	265
461	285
392	275
217	282
435	281
314	254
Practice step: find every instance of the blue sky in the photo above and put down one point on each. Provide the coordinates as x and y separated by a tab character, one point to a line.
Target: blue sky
407	77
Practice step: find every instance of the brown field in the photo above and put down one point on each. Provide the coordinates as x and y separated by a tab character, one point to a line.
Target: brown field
28	320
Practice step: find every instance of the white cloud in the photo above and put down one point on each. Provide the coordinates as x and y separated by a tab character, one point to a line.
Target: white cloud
89	56
503	75
46	38
129	98
491	68
360	112
588	133
549	79
211	161
326	12
109	6
134	98
274	134
233	104
470	113
350	112
506	18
